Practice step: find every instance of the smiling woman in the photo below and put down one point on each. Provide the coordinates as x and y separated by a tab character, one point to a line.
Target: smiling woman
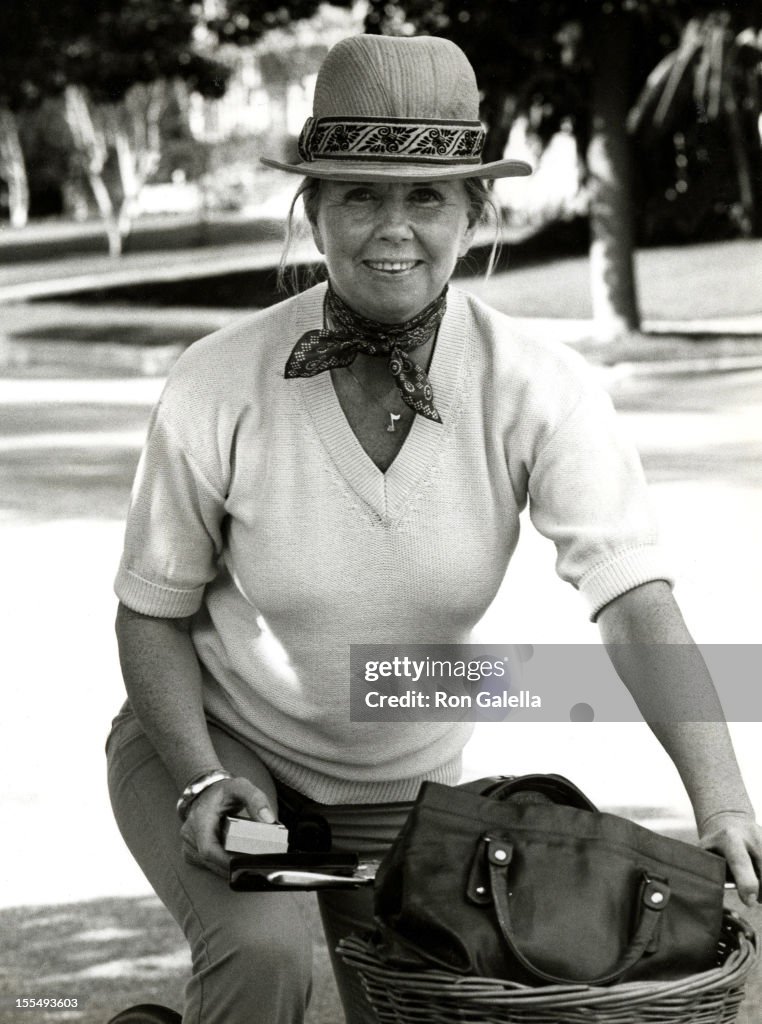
480	207
390	248
349	467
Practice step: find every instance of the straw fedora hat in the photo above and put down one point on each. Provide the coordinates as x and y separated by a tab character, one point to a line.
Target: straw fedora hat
395	108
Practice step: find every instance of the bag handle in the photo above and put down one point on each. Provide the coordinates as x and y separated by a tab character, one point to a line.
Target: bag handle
555	788
654	896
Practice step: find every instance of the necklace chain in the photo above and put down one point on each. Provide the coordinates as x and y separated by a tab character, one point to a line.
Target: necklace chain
393	416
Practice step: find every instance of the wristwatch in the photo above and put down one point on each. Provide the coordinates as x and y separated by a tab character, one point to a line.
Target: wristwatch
197	786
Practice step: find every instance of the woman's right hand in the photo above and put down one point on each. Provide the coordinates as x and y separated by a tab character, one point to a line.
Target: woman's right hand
201	832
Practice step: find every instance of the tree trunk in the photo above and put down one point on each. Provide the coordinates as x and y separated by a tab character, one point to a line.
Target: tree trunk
108	214
748	218
499	115
131	185
136	136
13	168
93	151
612	269
278	137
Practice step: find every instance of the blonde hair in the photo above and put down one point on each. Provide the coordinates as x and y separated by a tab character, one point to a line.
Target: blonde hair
288	275
481	207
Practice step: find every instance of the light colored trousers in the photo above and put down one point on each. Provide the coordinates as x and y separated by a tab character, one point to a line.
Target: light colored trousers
251	953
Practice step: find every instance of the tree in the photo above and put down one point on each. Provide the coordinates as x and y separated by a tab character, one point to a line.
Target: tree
129	134
710	82
29	36
244	22
116	67
121	72
565	60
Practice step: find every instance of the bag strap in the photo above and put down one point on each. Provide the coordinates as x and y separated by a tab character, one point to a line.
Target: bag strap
555	788
654	896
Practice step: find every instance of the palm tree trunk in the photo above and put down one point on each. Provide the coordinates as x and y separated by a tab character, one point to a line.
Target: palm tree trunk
612	269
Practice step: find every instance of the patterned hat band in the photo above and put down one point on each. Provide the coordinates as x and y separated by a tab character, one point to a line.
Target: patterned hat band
393	139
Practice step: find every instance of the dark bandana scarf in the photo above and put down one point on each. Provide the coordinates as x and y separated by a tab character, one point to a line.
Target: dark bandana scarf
317	351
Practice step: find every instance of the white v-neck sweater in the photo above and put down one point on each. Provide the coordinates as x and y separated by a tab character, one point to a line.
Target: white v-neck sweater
256	510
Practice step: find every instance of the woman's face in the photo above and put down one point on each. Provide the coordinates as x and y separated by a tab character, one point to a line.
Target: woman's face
391	248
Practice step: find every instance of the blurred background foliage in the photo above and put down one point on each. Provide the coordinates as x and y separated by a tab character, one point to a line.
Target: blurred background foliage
691	79
118	108
662	98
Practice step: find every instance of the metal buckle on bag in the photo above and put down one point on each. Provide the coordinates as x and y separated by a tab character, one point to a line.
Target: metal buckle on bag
490	849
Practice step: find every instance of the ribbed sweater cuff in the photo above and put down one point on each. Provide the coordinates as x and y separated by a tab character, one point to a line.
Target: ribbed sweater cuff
153	599
325	790
628	569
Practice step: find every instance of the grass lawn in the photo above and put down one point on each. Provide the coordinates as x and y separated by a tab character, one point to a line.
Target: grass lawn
717	279
109	954
712	280
121	337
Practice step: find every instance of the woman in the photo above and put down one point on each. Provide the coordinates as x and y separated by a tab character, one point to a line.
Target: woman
348	467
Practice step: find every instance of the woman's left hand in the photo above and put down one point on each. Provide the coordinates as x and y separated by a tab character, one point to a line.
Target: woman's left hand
738	838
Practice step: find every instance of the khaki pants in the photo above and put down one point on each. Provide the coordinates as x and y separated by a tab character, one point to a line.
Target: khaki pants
251	952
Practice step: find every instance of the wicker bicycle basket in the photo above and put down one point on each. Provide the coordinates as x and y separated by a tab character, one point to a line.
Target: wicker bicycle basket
437	997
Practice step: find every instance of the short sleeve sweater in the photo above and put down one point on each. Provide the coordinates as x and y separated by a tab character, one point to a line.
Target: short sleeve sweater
256	511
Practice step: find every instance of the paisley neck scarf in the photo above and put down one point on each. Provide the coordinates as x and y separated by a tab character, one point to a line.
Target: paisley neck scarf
326	349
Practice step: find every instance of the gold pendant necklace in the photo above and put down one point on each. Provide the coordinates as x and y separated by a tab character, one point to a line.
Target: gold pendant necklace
393	416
